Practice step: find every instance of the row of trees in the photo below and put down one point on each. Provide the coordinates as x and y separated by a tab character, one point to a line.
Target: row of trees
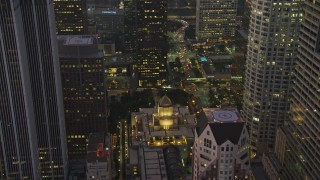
122	106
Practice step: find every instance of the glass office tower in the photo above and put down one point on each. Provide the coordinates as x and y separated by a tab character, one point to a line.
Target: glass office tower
32	126
302	158
271	55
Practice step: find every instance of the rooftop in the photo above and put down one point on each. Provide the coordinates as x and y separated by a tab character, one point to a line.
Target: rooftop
98	147
222	115
78	46
146	128
153	163
165	101
227	131
76	40
226	124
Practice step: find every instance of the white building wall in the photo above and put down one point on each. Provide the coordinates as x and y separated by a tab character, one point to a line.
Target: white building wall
97	171
226	156
227	159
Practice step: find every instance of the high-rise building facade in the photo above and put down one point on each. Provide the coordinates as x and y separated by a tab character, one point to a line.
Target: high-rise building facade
105	3
216	20
32	126
108	21
302	158
71	17
271	55
240	13
151	42
130	25
84	90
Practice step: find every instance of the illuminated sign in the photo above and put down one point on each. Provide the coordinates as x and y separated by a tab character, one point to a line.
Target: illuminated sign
109	12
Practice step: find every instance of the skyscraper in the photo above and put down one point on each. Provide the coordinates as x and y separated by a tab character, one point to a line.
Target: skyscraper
71	17
271	55
32	127
151	42
216	20
105	3
84	90
302	160
130	25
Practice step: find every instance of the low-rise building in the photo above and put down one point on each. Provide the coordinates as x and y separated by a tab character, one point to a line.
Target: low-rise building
221	149
147	163
163	125
98	157
158	163
162	138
